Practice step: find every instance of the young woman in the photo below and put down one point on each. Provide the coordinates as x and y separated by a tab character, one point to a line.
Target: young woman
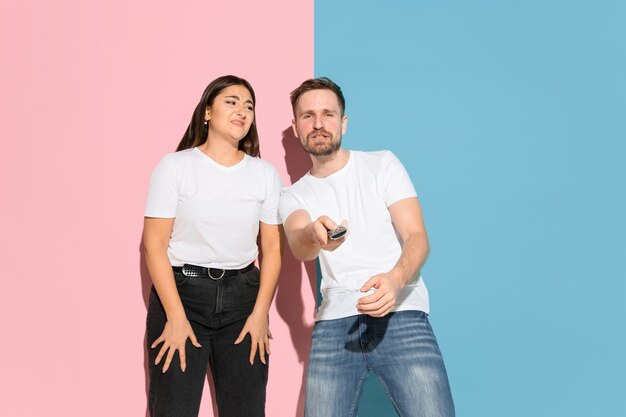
209	304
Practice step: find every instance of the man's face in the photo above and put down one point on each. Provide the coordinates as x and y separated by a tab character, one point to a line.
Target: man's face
319	123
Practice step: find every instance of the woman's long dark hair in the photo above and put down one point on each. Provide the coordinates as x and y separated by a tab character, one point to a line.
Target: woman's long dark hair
197	132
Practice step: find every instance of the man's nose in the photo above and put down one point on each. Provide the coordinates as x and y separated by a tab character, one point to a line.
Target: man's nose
317	123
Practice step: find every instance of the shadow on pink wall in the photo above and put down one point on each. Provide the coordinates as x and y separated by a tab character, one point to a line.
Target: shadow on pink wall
289	303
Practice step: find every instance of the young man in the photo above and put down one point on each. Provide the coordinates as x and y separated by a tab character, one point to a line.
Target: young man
373	315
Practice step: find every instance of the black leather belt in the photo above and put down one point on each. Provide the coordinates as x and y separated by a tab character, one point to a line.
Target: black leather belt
213	273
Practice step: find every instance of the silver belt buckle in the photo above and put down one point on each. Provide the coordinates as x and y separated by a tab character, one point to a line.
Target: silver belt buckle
216	278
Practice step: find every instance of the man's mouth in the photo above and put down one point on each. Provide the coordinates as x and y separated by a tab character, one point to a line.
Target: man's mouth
319	135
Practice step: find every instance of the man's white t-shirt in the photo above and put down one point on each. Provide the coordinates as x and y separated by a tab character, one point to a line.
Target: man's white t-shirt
217	209
361	193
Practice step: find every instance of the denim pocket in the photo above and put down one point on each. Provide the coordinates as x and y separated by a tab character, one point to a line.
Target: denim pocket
180	279
253	277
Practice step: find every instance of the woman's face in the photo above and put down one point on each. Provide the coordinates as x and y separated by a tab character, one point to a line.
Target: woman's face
231	113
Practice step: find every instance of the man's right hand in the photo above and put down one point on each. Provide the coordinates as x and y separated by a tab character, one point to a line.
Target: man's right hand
319	230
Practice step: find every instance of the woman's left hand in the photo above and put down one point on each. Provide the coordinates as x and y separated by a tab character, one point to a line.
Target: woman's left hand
257	325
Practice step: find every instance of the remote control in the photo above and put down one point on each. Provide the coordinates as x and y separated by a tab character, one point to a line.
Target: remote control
337	233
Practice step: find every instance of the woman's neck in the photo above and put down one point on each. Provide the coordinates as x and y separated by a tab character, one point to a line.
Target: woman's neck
222	152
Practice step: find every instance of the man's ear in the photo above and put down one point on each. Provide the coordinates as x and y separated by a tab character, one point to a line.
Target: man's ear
293	127
344	124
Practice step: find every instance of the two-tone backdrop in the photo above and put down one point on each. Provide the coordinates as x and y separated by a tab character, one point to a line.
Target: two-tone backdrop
509	117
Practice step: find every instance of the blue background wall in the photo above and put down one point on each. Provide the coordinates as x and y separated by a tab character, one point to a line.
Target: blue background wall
510	117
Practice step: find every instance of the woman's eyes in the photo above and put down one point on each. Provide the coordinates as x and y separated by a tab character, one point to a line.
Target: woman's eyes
248	107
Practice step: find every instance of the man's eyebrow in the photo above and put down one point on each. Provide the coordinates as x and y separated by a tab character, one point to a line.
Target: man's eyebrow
322	111
238	98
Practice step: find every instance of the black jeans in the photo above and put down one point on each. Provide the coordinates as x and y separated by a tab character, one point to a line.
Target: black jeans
217	311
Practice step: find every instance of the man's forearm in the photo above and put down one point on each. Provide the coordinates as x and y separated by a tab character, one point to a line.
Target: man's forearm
414	254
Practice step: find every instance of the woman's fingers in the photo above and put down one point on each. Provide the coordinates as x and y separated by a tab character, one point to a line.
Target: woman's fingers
168	360
156	342
253	348
194	341
174	338
262	351
243	333
162	352
183	359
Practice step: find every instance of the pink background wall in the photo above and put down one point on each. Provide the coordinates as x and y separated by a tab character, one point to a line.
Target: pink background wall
93	95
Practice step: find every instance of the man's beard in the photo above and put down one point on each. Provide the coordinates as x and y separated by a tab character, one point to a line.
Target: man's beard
321	149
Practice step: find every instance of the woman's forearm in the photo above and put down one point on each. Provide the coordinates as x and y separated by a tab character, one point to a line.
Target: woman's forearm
163	279
156	234
271	247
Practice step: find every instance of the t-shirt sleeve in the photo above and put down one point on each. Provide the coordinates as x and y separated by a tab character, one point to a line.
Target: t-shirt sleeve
288	203
395	181
163	191
269	208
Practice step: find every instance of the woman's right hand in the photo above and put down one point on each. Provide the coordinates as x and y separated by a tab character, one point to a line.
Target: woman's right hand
174	336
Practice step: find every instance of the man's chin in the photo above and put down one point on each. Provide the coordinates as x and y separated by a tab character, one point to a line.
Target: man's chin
322	149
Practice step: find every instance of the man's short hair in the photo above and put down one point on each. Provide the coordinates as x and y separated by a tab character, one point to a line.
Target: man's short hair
320	83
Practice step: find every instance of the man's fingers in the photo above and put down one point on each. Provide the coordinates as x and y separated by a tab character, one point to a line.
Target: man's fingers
321	235
372	282
375	304
372	298
327	222
383	311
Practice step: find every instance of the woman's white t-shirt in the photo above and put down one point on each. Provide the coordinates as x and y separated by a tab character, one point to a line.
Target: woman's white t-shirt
217	209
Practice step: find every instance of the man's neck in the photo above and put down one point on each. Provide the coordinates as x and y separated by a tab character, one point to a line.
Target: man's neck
323	166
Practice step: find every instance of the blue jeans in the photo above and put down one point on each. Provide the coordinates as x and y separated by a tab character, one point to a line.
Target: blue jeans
399	348
217	311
